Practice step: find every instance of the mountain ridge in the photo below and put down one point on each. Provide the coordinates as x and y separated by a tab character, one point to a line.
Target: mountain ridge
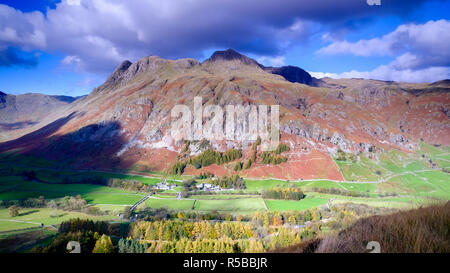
126	121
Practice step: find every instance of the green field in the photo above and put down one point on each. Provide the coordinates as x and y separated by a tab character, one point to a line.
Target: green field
284	205
94	194
172	204
386	165
33	217
259	185
222	196
247	204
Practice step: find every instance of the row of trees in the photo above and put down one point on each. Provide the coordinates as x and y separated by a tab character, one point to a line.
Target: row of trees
100	227
275	218
159	214
286	193
272	158
131	246
170	230
206	158
210	157
25	203
229	182
221	245
340	192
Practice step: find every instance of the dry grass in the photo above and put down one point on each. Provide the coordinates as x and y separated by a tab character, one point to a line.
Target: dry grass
422	230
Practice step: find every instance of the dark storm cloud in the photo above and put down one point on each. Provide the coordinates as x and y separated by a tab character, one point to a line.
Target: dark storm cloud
97	35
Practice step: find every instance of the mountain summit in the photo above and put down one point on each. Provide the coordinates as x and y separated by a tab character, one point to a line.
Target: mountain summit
231	55
290	73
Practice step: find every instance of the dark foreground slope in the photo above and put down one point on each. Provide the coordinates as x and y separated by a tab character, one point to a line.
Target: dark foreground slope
423	230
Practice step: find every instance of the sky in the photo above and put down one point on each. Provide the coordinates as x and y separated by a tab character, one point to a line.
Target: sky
69	47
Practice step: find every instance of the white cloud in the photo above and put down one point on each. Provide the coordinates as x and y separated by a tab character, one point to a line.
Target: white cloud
272	61
321	75
103	33
73	2
389	73
21	29
420	50
71	60
418	45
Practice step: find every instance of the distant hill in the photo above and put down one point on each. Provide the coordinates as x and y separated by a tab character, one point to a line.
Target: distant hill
22	111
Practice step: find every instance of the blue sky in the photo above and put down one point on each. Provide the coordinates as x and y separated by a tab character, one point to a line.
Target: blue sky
70	47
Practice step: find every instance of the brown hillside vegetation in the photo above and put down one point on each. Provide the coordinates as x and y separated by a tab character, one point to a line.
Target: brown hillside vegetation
423	230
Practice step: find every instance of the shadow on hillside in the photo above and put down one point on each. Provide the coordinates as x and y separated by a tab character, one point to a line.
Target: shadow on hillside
94	146
16	125
33	138
91	147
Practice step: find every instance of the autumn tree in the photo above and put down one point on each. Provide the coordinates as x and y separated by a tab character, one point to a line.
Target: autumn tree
13	211
103	245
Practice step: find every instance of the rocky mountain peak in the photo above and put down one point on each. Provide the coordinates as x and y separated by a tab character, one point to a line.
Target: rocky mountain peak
115	77
231	55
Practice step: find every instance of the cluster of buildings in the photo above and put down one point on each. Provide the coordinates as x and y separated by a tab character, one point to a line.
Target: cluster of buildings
209	187
163	185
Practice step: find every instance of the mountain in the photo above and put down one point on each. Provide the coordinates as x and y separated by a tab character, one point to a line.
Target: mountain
18	113
290	73
125	123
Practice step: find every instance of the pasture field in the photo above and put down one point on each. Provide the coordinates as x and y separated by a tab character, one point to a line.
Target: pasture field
247	204
94	194
433	184
385	165
222	196
169	196
304	204
259	185
439	155
171	204
33	217
111	198
346	186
